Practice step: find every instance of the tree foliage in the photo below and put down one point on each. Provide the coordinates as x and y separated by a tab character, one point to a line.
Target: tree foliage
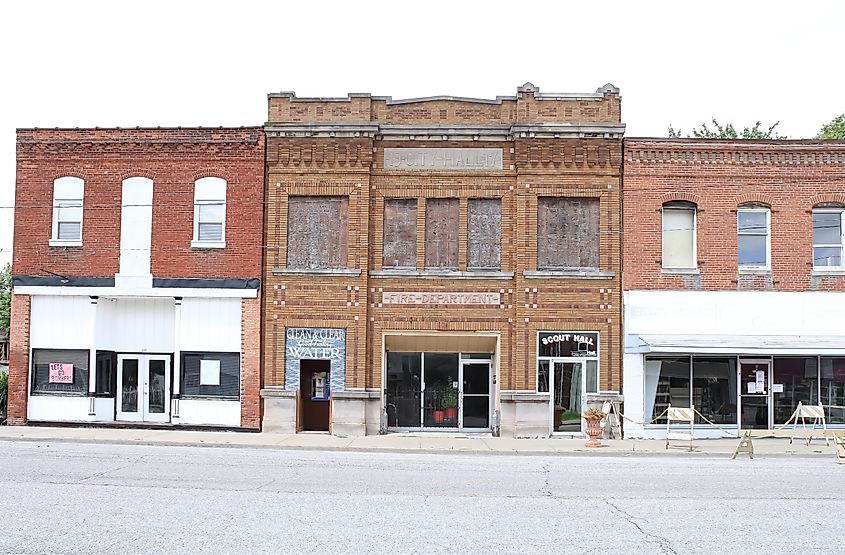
5	296
728	131
835	129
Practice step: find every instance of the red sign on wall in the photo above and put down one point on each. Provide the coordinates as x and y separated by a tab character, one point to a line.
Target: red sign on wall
61	372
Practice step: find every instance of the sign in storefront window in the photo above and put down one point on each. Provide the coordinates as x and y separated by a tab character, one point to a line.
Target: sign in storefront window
567	344
61	373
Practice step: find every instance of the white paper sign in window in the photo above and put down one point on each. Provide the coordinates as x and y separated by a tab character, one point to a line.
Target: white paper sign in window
209	372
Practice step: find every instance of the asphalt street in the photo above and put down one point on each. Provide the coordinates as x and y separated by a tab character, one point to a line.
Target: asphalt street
90	498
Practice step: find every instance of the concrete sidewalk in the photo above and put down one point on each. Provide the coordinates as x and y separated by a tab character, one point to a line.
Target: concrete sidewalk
412	442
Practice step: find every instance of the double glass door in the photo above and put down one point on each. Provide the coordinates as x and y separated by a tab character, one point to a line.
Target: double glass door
143	388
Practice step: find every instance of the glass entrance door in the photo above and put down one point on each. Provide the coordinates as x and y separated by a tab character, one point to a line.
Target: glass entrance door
143	385
475	394
440	390
754	376
563	380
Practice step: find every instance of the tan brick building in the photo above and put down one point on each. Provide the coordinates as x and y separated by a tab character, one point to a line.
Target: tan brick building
441	263
734	281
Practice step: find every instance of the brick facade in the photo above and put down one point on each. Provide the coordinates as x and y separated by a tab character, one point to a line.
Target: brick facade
18	360
791	177
552	145
173	159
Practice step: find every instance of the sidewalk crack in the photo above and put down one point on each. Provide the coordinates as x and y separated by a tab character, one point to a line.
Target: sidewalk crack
662	543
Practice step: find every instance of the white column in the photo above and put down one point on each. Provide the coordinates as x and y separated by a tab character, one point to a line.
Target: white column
92	359
177	358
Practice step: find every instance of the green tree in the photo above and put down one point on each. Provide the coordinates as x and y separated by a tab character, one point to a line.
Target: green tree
728	131
833	130
5	296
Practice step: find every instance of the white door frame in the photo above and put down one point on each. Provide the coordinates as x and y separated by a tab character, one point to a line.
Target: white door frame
142	406
564	360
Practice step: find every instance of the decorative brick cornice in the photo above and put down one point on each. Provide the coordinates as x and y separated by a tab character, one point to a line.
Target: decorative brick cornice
734	152
580	153
354	153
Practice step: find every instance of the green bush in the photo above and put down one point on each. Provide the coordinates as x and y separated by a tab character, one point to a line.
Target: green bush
4	394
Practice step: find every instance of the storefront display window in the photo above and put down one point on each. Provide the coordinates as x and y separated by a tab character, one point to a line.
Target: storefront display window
833	388
795	380
714	389
60	371
667	382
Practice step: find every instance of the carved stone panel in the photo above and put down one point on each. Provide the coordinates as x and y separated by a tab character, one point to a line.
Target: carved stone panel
567	233
317	232
484	233
400	233
442	224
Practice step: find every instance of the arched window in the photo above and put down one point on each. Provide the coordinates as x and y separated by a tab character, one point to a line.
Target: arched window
828	236
209	213
679	249
67	212
753	223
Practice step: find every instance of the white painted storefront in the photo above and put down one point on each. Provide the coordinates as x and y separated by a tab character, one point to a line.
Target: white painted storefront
746	332
104	350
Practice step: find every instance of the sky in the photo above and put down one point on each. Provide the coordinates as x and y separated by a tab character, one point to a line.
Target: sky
183	63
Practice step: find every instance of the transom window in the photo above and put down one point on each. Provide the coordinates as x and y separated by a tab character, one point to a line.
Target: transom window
828	237
753	237
209	213
67	212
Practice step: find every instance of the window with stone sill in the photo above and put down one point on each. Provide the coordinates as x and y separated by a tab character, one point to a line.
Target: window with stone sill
828	238
753	238
678	240
67	211
317	232
567	233
209	213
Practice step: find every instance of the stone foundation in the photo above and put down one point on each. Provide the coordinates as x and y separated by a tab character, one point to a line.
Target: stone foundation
524	415
279	414
355	413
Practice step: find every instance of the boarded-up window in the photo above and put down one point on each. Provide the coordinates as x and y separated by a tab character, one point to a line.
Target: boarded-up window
484	234
400	233
317	232
567	233
442	222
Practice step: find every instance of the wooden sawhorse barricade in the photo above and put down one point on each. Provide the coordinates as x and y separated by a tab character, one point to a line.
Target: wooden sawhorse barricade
746	445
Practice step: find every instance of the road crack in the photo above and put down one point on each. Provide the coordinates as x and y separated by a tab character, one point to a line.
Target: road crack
546	488
662	543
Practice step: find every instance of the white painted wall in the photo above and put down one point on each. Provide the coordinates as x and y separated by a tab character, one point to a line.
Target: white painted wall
136	325
210	325
104	409
718	313
61	323
55	408
209	412
136	225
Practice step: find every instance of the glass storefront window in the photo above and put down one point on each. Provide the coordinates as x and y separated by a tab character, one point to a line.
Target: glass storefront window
404	382
667	382
833	388
798	377
714	389
567	344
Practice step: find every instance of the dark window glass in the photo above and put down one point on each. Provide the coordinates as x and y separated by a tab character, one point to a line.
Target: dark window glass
400	233
567	344
61	380
484	234
317	232
833	388
567	233
440	398
228	379
106	377
404	383
799	377
714	389
667	382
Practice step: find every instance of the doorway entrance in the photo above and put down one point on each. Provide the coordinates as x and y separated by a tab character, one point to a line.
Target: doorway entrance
437	391
754	377
564	380
314	395
143	385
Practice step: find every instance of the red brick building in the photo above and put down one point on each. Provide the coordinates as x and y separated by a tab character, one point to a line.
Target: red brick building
734	280
136	276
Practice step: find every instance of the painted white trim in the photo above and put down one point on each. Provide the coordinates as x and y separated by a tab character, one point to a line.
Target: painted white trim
209	190
208	244
68	192
751	268
150	292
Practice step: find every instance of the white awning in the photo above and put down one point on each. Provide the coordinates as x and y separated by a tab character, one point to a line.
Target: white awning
737	344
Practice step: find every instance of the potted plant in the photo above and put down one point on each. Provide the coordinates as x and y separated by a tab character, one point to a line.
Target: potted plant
439	412
593	417
450	402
